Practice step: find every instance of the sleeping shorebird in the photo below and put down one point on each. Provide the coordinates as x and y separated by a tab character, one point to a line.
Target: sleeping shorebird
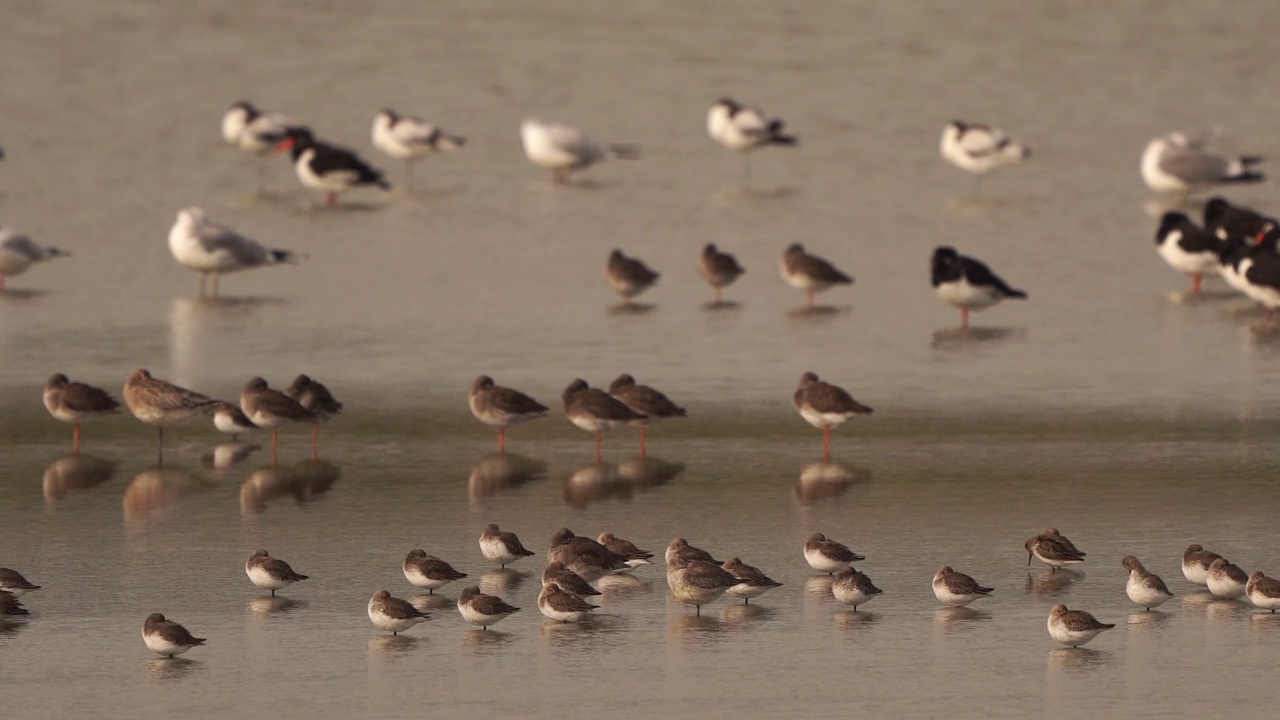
628	276
484	610
75	403
1188	248
1226	580
967	283
853	588
753	583
393	614
563	606
646	401
272	409
828	556
1262	591
719	269
697	582
564	149
270	573
595	410
1144	588
229	419
825	406
166	637
503	547
745	128
809	272
681	548
408	138
12	582
584	556
568	580
1052	549
635	556
160	403
501	408
1074	627
428	571
1195	564
314	396
957	589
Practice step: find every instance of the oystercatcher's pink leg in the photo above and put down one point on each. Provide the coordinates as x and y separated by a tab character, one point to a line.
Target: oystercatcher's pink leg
1195	283
810	294
330	199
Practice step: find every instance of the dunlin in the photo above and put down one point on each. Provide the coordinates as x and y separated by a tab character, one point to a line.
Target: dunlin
753	583
719	269
635	556
562	606
504	547
270	573
825	406
12	582
681	548
393	614
1052	549
428	571
698	583
1263	592
1195	564
567	579
628	276
1074	627
853	588
272	409
74	403
166	637
809	272
826	555
229	419
160	403
9	605
314	396
595	411
1226	580
583	555
483	610
1144	588
957	589
646	401
501	408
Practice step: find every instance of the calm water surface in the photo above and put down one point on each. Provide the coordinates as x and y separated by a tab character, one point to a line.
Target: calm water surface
1133	424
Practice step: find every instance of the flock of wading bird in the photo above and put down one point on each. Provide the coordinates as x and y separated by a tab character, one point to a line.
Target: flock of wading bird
577	566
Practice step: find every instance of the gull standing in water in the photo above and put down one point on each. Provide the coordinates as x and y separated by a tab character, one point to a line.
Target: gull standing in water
1144	588
166	637
745	128
967	283
393	614
254	132
160	403
1074	627
19	252
628	276
270	573
326	167
979	148
408	138
563	149
825	406
719	269
272	409
501	408
314	396
596	411
809	272
211	250
646	401
1175	163
74	403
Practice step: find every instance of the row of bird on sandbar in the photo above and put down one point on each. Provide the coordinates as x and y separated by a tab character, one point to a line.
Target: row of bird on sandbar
309	402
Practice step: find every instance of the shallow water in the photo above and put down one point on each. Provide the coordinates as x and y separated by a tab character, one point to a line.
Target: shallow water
1133	424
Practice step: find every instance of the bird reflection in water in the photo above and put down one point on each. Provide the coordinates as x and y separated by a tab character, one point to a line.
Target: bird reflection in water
170	668
628	309
952	619
817	314
157	489
822	480
1077	658
1050	583
973	337
499	472
501	581
698	628
742	614
1147	620
431	601
818	587
393	644
622	585
479	638
855	620
600	481
303	481
274	605
227	455
71	474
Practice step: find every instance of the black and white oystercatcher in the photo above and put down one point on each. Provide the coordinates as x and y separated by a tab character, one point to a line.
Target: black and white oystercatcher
328	167
719	269
628	276
809	272
595	410
825	406
967	283
1188	248
74	403
646	401
1225	221
500	407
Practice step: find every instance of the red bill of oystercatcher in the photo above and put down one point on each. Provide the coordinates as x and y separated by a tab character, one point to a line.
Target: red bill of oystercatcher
328	167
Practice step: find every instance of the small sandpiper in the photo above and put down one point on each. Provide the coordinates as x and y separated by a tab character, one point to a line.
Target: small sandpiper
719	269
10	607
595	411
809	272
1144	588
853	588
628	276
500	407
160	403
1195	564
681	548
12	582
74	403
698	583
825	406
826	555
754	583
272	409
1074	627
567	579
229	419
483	610
1053	550
562	606
166	637
635	556
646	401
270	573
504	547
314	396
1226	580
1263	592
957	589
584	556
428	571
393	614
